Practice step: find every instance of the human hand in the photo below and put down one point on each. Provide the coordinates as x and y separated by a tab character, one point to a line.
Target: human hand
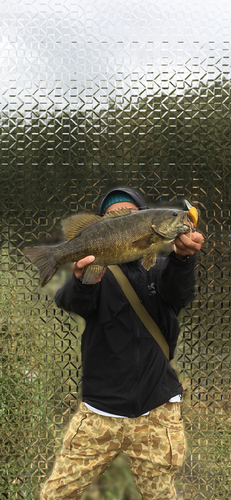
77	267
188	244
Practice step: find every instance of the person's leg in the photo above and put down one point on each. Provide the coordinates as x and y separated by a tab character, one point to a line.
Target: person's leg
90	444
155	447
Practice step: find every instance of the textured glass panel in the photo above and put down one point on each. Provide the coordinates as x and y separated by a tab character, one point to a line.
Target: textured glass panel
93	93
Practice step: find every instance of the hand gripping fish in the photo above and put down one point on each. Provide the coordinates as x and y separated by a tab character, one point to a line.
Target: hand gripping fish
117	237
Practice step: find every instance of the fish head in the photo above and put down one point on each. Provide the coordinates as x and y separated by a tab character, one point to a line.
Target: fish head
169	223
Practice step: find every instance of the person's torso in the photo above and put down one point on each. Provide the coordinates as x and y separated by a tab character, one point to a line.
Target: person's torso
124	370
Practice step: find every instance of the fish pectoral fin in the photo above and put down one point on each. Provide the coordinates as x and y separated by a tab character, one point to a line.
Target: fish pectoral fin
76	223
117	213
149	260
91	273
143	243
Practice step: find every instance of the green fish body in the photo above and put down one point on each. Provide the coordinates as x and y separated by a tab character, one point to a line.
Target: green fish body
116	238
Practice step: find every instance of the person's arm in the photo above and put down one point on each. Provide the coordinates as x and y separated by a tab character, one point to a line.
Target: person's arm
176	272
76	297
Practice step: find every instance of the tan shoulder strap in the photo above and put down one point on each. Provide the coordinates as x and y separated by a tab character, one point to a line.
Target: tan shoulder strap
140	309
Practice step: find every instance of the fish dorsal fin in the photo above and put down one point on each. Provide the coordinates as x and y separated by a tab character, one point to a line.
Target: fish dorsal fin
117	213
76	223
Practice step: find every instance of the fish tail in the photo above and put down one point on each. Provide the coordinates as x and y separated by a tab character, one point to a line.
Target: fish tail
43	258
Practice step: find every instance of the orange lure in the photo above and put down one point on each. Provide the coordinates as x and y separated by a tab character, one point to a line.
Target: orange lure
193	214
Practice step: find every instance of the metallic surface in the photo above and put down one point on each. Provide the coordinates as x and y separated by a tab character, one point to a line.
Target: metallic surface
95	94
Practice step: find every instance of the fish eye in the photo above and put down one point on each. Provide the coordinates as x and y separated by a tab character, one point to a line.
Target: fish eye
174	214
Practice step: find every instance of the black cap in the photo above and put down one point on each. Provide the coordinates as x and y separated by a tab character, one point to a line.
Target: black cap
135	196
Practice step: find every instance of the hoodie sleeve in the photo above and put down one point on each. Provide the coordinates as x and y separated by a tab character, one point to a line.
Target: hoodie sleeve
78	298
176	280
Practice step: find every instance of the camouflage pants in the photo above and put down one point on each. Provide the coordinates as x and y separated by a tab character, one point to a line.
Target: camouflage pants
154	445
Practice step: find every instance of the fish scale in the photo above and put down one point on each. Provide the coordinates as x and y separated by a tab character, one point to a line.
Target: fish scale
115	238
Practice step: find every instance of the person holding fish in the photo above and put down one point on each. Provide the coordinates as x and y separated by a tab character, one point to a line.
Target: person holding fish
131	395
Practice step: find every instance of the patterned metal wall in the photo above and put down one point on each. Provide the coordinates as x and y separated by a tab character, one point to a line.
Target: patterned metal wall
93	93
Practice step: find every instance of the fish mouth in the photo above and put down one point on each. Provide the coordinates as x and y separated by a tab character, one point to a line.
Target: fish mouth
185	228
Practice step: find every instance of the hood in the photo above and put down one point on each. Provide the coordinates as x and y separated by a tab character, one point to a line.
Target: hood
135	195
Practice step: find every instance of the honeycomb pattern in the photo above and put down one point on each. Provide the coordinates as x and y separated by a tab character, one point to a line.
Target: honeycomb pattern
92	94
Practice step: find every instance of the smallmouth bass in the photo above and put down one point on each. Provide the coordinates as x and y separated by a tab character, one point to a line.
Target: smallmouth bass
117	237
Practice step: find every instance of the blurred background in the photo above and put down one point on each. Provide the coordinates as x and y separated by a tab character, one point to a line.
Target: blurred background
94	94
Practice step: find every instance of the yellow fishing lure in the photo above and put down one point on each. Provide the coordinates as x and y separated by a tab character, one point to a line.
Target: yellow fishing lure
193	214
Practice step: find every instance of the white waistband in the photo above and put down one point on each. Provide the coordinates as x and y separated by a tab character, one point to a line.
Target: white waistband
174	399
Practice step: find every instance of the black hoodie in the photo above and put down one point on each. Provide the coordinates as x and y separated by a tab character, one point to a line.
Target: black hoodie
124	370
137	197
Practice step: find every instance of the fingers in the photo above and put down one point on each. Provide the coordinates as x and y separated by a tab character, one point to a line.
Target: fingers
188	244
84	262
100	276
78	266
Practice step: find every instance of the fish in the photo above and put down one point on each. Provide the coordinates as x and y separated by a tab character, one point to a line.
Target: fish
118	237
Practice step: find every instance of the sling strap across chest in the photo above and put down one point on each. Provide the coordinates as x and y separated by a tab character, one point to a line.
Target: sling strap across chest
140	310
